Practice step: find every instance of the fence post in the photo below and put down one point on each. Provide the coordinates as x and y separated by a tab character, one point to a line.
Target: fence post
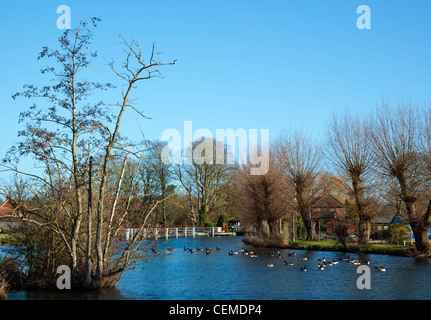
193	232
176	232
212	232
185	232
156	233
167	233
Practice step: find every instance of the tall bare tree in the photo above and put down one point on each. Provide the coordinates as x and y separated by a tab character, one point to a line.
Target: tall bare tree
352	155
262	199
62	136
204	179
298	157
396	137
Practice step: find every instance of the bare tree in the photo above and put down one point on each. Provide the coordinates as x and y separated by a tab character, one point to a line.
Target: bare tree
62	138
396	137
262	199
352	155
298	157
204	180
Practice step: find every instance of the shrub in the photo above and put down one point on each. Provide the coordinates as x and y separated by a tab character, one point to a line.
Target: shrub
398	233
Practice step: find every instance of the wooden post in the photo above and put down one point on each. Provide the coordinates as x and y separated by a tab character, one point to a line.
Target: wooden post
156	233
212	232
176	232
185	232
166	233
193	232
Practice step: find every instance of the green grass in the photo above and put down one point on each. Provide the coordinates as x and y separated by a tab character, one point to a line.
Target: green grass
334	245
320	244
6	238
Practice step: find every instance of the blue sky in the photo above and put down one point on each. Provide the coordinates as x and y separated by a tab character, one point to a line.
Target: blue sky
240	64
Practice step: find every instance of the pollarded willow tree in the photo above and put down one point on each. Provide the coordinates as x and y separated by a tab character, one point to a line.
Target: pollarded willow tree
399	137
262	199
298	157
351	153
64	135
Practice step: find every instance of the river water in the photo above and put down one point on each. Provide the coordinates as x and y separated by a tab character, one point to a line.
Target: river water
182	275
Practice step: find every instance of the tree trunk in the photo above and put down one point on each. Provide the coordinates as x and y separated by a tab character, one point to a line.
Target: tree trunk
422	243
310	227
364	230
419	225
274	228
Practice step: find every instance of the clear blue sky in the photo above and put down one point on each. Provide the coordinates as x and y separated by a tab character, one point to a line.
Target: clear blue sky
240	63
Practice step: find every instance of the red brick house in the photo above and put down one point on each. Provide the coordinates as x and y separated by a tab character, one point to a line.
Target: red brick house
6	209
328	208
8	215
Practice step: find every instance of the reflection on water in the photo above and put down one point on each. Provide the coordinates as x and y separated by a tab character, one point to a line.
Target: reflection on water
183	275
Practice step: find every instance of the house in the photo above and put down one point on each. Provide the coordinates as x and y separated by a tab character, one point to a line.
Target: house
8	215
383	220
328	208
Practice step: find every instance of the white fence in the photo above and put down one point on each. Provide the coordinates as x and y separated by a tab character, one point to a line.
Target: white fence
175	232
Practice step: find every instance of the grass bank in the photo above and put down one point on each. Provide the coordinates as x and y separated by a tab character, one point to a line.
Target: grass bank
6	239
332	245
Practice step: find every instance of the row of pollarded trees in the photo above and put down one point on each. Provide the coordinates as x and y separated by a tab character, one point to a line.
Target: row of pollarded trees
383	153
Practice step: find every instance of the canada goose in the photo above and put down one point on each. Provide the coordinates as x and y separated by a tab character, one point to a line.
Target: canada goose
381	269
291	254
288	263
252	255
241	250
170	250
217	248
304	268
322	260
335	261
192	250
304	258
232	252
270	265
321	266
199	249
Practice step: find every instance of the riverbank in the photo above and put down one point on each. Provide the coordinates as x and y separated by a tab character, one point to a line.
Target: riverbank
6	239
333	245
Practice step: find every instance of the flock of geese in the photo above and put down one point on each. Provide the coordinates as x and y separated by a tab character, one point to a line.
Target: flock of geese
322	263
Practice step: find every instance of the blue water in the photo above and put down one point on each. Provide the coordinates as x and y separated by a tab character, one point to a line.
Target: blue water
183	276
